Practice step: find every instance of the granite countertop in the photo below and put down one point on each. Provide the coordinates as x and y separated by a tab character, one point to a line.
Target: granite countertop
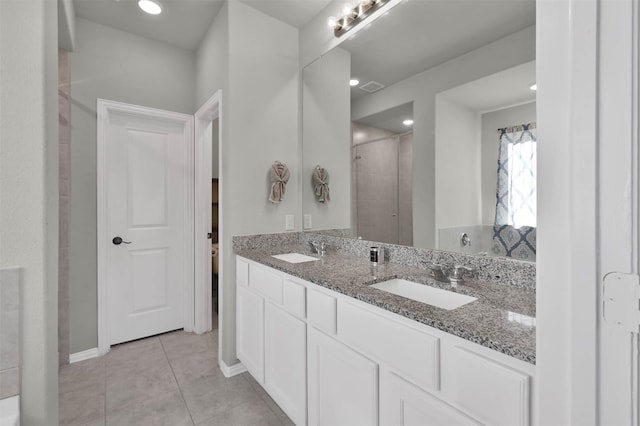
502	318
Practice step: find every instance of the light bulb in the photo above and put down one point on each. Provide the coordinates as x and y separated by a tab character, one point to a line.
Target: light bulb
151	7
354	82
332	22
533	87
408	122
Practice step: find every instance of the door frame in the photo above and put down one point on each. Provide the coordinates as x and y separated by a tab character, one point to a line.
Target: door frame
588	104
104	108
203	172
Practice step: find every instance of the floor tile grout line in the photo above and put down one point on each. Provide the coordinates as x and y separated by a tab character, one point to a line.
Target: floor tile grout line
177	382
266	401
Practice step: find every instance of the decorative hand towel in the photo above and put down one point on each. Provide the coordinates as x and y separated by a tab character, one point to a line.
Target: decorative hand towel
321	184
279	179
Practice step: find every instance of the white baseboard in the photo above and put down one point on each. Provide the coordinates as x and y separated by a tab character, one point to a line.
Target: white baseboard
84	355
230	371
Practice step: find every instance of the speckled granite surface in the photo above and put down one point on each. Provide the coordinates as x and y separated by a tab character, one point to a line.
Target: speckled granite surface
505	271
503	317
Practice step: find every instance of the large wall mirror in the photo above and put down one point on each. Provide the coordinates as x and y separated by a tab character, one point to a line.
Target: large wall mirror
434	146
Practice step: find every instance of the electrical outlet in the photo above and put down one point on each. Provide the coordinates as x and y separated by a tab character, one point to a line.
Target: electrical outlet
288	222
307	221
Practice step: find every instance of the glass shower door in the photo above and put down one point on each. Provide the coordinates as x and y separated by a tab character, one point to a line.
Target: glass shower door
376	173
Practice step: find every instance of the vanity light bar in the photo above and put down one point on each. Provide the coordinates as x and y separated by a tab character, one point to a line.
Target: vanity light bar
352	16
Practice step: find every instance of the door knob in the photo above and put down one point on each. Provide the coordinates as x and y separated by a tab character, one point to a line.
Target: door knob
118	240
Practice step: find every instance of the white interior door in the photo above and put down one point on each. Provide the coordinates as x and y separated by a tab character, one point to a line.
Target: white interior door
147	228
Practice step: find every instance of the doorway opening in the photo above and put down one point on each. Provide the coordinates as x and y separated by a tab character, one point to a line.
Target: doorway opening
209	251
215	243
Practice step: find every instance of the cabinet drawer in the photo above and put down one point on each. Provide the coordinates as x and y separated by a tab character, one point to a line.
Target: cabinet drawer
409	351
492	392
322	311
242	272
294	298
267	282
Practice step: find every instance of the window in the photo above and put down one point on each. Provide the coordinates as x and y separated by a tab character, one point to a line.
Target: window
516	189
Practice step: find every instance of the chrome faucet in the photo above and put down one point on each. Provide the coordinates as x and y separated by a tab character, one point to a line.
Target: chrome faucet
320	248
457	274
453	275
438	272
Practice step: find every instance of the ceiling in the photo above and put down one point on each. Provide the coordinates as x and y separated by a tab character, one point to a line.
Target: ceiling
390	119
418	34
294	12
497	91
184	23
507	88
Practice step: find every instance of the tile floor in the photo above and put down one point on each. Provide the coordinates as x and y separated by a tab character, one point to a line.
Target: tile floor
172	379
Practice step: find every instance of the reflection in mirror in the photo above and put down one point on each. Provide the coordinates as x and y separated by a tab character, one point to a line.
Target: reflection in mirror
382	178
469	141
414	58
327	132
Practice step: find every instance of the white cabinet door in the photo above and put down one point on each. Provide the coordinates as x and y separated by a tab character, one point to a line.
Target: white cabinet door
404	404
343	385
250	331
495	393
285	375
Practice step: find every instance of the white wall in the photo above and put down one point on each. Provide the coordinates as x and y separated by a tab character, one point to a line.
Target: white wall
502	54
119	66
262	124
405	190
457	165
255	63
491	122
212	59
326	136
29	191
66	25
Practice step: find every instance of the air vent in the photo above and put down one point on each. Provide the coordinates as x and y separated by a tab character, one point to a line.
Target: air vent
372	86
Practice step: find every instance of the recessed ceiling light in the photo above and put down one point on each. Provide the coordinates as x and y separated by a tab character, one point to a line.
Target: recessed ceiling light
150	6
408	122
534	87
354	82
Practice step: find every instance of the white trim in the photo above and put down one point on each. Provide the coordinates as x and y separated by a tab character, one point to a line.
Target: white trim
84	355
617	169
222	331
101	194
10	410
230	371
104	108
204	117
189	187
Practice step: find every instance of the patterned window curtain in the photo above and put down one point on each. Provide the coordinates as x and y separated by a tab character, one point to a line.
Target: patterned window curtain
516	190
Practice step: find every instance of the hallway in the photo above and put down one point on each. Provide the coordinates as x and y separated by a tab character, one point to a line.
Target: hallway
172	379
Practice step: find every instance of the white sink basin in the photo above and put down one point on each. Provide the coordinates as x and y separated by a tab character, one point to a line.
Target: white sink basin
294	257
426	294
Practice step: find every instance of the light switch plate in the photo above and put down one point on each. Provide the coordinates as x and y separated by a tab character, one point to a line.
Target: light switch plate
307	221
288	222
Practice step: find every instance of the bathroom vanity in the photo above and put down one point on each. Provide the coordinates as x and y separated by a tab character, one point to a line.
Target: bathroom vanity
332	350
